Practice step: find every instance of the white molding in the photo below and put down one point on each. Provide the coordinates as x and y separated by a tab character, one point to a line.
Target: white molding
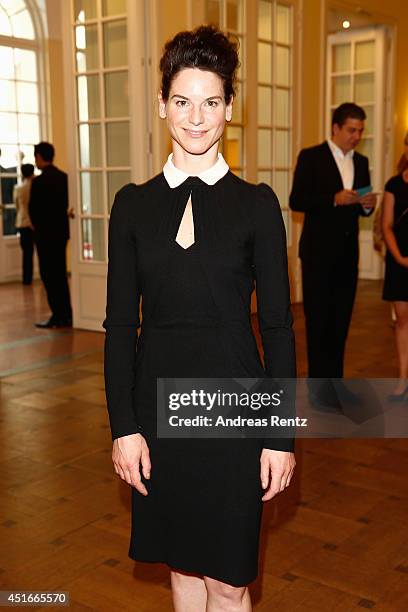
70	123
139	91
153	52
323	68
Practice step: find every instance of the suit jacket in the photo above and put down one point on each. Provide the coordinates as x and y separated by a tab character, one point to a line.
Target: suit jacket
48	206
327	228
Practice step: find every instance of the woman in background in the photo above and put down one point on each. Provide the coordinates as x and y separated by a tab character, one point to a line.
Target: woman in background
395	231
23	222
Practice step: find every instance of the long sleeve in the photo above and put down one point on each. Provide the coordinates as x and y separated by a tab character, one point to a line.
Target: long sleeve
34	206
273	295
366	212
305	196
122	318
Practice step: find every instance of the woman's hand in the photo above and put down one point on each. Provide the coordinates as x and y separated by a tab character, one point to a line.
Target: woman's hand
403	261
127	454
276	471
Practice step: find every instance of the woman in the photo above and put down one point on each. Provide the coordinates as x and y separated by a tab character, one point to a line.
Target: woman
191	241
395	231
23	221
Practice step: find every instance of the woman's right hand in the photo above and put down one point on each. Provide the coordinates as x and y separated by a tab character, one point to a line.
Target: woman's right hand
403	261
128	453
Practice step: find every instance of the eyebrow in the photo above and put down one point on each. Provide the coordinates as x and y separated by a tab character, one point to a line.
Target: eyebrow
184	97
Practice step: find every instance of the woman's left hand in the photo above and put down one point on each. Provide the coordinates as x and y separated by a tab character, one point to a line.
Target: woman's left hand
276	471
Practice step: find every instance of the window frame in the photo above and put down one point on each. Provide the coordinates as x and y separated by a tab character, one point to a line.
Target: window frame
85	219
37	45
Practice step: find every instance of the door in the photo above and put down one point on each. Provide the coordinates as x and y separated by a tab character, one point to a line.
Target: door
104	58
357	65
10	260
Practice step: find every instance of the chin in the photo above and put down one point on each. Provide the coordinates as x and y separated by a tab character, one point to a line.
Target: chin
196	148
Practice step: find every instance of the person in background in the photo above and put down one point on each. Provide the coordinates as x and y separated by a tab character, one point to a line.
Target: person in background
325	185
395	232
48	210
21	198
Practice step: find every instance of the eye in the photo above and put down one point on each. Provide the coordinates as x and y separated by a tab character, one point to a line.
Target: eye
181	103
212	103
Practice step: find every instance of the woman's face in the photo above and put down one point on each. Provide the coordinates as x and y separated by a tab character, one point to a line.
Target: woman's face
196	110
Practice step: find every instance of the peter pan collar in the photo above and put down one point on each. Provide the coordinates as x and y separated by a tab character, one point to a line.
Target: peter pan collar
175	177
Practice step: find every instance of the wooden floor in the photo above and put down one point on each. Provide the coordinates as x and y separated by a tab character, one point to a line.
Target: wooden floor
337	540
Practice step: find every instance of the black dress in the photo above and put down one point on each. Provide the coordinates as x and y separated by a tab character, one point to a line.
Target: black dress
396	276
203	510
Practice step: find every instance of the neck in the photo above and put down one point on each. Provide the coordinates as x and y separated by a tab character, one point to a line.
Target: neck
194	164
333	139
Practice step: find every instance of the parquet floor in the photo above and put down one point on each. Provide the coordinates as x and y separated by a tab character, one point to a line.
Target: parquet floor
337	540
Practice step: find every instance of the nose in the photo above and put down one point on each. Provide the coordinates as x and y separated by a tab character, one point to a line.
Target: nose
196	115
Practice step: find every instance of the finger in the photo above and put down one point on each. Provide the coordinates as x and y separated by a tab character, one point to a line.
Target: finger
265	474
136	481
283	482
146	464
120	473
274	487
270	493
128	476
139	486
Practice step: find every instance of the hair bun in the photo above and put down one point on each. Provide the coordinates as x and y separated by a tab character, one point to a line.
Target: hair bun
206	48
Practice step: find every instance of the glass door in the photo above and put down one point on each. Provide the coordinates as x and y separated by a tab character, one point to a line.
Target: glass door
104	57
356	72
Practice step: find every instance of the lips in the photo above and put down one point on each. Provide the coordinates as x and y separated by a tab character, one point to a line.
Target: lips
196	133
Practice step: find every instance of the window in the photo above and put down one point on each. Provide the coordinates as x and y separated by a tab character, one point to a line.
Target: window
353	77
20	117
275	88
229	16
101	73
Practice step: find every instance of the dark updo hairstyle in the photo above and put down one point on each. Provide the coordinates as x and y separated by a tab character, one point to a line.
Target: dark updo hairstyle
206	48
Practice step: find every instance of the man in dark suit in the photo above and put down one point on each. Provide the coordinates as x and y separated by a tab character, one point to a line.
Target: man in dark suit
325	185
49	215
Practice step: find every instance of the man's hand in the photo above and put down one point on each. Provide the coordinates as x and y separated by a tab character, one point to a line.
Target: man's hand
346	197
128	453
276	471
369	200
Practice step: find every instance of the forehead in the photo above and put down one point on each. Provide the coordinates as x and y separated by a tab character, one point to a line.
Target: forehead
195	82
353	124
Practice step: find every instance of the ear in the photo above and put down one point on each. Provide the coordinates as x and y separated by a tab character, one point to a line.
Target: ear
162	106
228	109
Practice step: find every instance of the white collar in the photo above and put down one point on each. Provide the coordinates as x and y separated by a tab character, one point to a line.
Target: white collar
175	177
337	152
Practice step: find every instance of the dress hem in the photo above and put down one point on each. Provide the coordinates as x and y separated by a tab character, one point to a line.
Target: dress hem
200	572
